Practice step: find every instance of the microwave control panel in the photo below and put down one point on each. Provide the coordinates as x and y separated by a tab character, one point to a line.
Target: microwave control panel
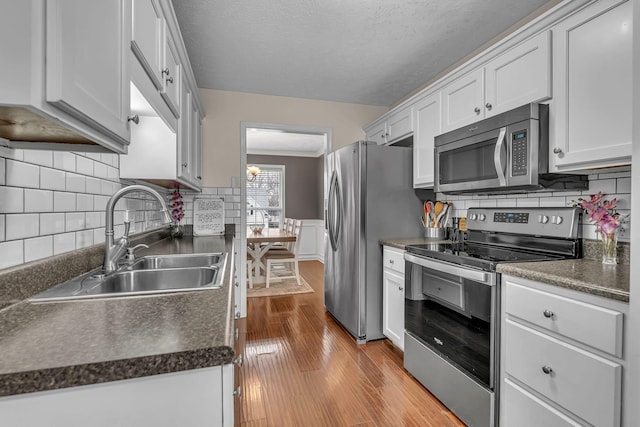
519	153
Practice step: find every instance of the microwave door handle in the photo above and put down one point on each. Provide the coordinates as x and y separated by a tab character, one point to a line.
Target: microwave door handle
497	157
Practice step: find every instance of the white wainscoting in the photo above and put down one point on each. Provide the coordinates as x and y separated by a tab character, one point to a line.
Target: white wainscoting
311	244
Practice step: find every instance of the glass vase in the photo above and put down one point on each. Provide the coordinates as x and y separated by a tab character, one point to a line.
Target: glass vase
610	247
176	230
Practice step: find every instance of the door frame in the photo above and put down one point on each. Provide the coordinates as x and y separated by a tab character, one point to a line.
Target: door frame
241	265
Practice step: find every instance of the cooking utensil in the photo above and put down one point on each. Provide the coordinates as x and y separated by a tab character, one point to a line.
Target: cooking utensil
446	217
441	215
428	209
437	209
422	221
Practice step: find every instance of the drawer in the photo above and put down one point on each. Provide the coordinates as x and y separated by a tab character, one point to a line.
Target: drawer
442	288
587	385
393	259
589	324
521	408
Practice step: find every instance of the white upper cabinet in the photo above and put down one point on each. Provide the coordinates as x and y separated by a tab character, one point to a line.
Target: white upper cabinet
171	77
517	77
592	78
428	124
147	28
65	79
462	101
392	128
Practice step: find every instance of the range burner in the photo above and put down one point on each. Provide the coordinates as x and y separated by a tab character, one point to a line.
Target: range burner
511	235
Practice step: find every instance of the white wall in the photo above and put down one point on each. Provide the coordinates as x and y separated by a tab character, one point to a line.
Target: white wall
226	110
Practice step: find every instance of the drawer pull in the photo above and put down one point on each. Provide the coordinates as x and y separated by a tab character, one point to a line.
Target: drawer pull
547	370
548	314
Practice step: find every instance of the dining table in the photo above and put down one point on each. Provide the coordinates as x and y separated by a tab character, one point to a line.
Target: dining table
259	243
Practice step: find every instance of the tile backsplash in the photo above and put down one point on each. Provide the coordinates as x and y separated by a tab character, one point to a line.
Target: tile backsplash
53	202
612	184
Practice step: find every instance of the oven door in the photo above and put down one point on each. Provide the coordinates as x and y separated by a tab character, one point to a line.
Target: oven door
453	310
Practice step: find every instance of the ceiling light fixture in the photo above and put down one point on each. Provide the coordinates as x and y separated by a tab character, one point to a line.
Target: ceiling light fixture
252	173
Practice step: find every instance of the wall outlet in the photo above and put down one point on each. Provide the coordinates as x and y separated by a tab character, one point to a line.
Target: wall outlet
624	233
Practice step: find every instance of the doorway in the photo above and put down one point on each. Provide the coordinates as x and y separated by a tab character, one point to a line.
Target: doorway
287	140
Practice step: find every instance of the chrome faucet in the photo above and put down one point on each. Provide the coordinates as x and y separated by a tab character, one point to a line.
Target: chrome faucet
114	251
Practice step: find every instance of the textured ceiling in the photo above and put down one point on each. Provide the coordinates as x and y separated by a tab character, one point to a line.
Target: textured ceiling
371	52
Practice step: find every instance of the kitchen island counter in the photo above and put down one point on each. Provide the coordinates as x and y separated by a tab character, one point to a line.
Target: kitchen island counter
52	345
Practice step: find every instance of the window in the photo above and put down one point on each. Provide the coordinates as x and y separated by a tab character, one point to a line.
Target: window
265	196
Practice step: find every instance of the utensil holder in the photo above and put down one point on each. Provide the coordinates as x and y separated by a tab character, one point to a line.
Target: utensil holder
433	233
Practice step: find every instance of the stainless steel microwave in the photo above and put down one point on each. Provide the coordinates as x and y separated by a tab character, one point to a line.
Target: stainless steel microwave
508	152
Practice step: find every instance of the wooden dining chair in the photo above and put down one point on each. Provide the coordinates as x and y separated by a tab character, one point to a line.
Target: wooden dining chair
288	225
285	256
250	271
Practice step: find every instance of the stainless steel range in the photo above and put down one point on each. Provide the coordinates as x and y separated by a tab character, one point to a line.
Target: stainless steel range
452	301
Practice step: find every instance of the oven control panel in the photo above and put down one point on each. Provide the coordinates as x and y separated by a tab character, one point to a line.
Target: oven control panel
554	222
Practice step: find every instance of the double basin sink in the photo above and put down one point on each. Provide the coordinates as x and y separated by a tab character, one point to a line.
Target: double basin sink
146	275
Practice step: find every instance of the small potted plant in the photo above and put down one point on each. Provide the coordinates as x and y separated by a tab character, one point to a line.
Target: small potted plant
602	213
176	205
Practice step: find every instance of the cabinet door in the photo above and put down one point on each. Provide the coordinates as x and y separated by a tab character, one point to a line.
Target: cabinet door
462	101
378	133
171	77
86	69
195	143
146	38
184	168
592	79
428	125
519	76
400	124
393	307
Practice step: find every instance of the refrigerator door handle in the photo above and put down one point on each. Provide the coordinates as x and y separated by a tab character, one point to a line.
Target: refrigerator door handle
338	211
331	211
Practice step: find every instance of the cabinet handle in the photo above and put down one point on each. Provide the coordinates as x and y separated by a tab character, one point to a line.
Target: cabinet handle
477	110
557	150
184	165
547	370
166	71
390	261
400	288
199	177
548	314
238	392
237	314
135	119
169	80
489	106
238	361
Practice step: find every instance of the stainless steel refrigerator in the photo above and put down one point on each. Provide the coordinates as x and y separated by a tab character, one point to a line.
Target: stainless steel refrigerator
370	197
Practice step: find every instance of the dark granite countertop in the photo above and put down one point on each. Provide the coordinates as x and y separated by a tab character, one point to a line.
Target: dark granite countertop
584	275
52	345
400	243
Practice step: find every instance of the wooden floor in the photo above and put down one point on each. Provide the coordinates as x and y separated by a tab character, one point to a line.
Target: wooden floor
302	369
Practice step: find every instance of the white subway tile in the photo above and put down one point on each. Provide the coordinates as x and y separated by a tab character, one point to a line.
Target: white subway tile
20	226
21	174
94	156
64	202
38	248
548	202
98	235
606	186
113	173
118	217
84	202
38	200
52	223
39	157
74	221
236	191
52	179
3	168
100	202
84	239
12	153
64	161
589	231
491	203
2	228
76	183
11	200
225	191
94	219
93	185
623	185
100	170
64	243
505	203
624	201
527	203
84	166
106	188
12	253
106	158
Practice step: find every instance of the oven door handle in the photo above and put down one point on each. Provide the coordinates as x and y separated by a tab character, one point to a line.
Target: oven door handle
465	273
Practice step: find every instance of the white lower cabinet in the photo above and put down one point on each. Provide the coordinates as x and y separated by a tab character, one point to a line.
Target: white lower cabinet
561	356
191	398
393	295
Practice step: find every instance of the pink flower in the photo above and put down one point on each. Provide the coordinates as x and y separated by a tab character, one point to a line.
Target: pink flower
601	212
176	204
